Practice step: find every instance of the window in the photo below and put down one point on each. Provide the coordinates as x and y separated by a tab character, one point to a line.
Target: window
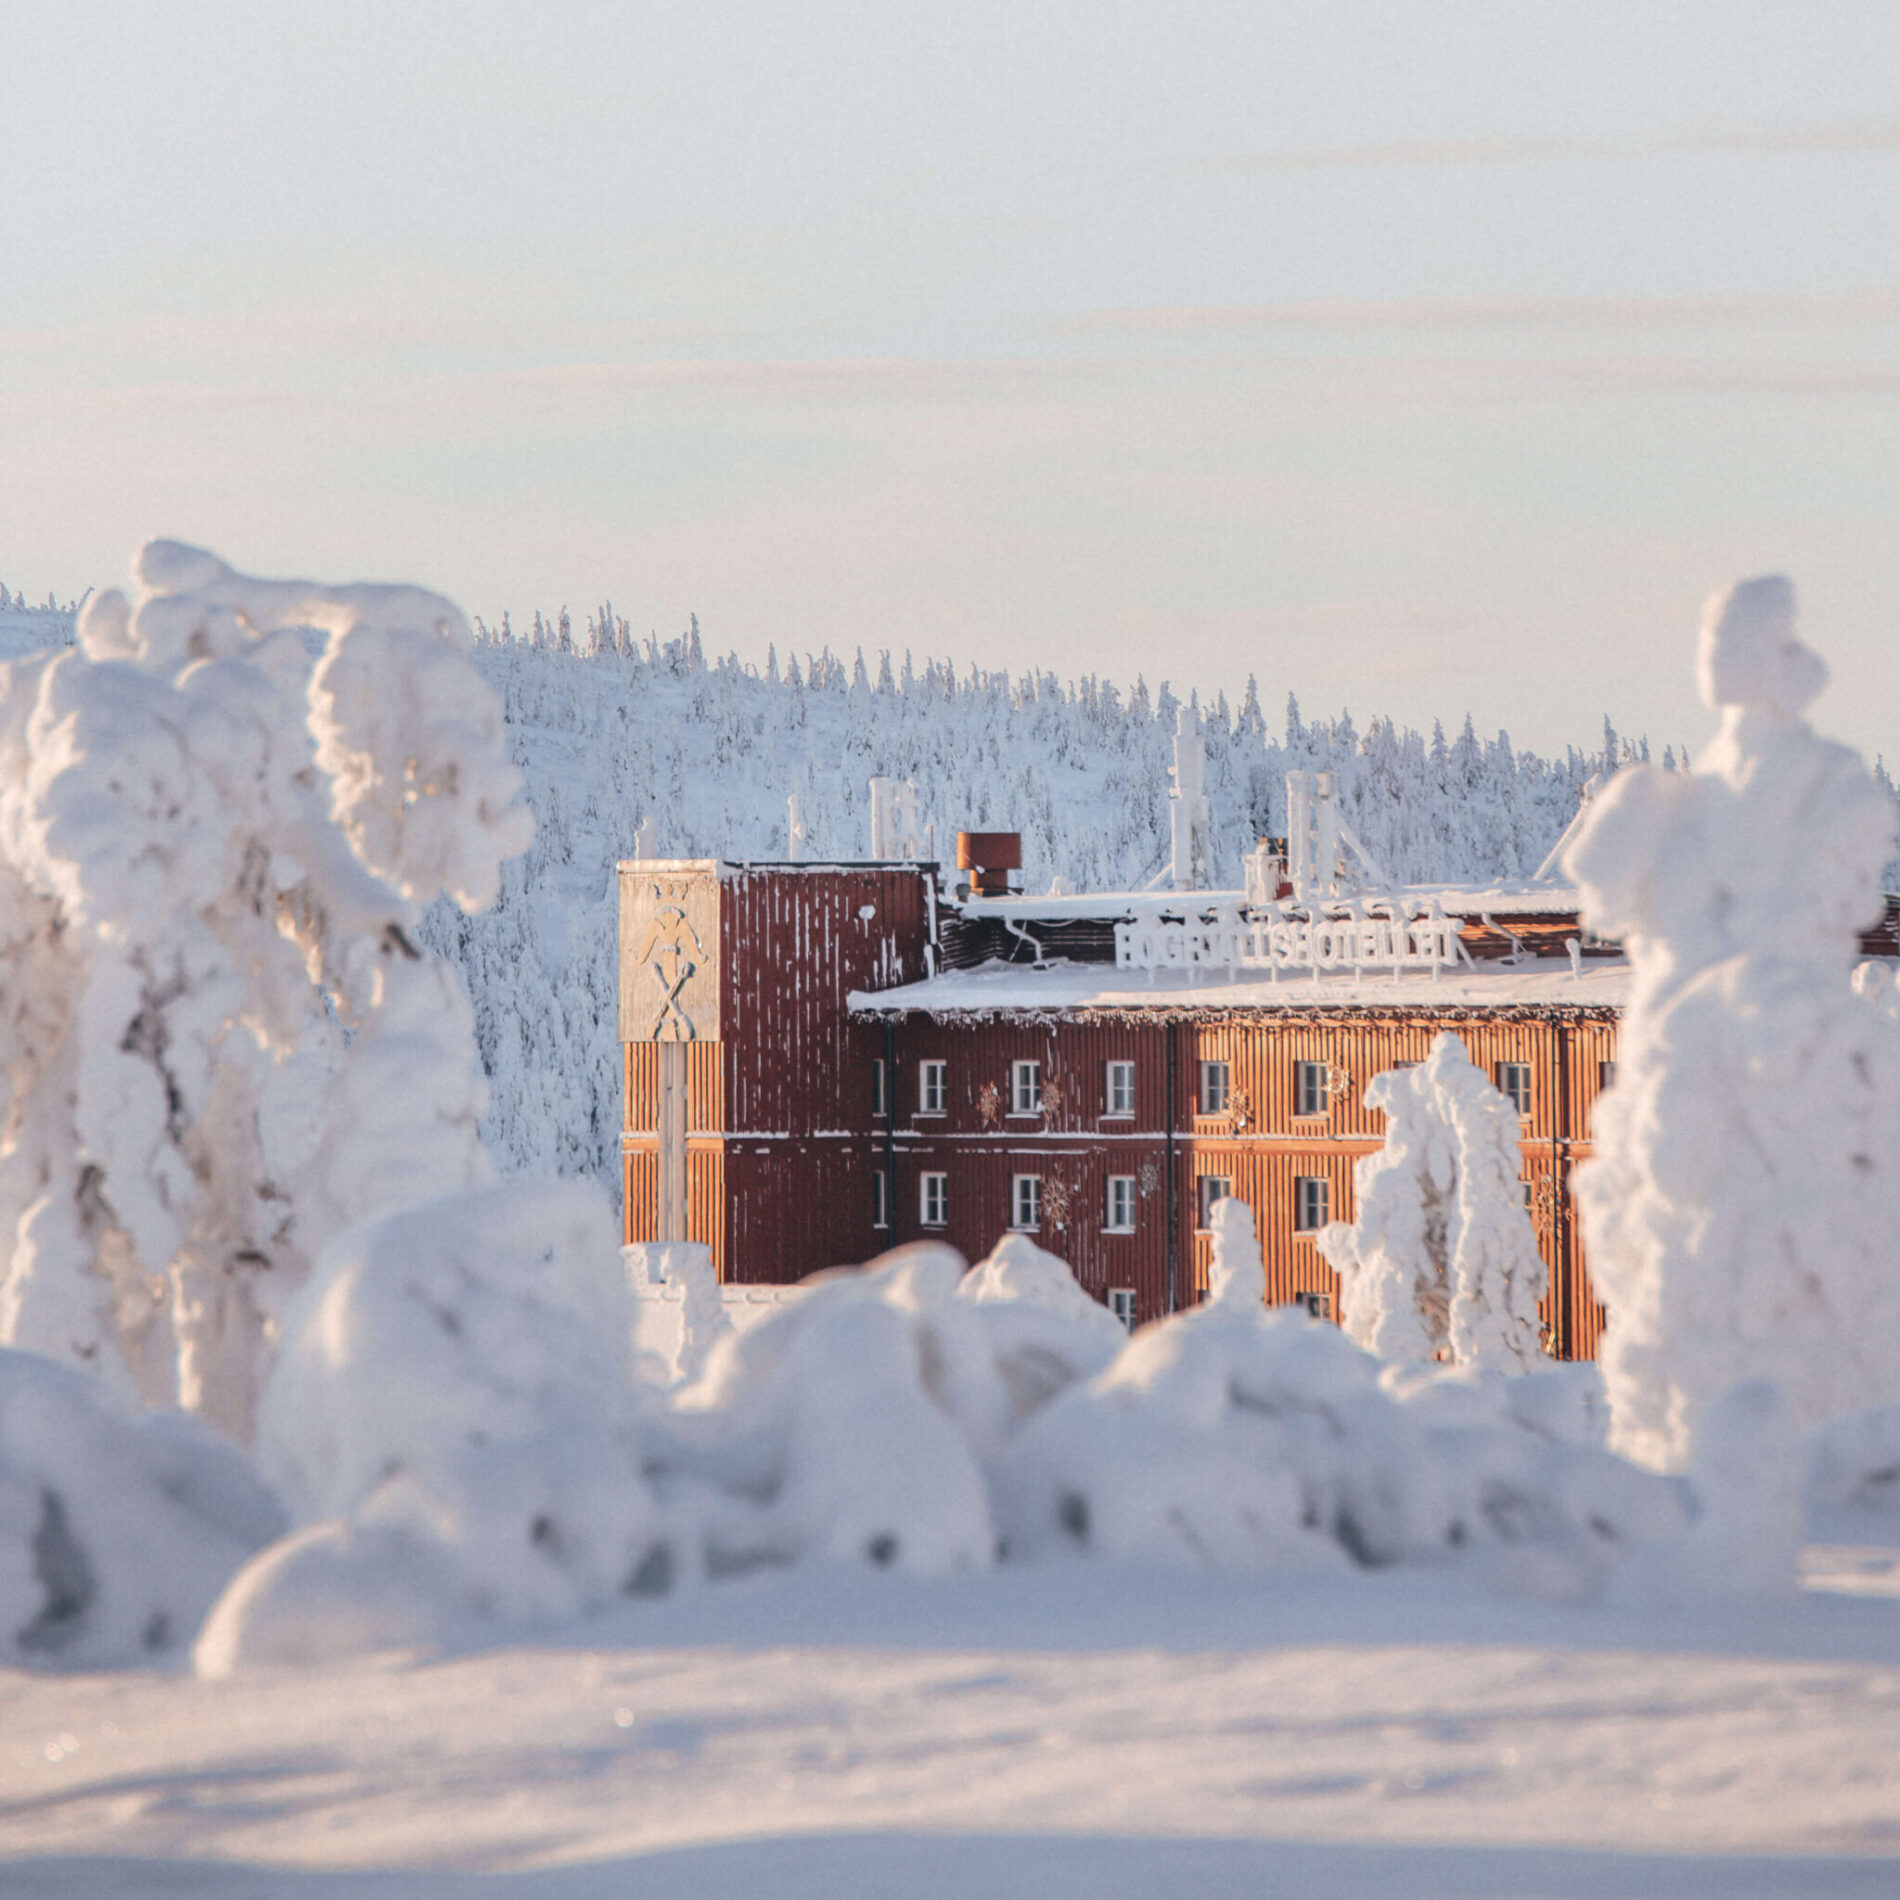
1312	1199
1514	1081
1215	1089
1025	1202
1309	1089
1526	1186
1320	1305
880	1101
880	1199
933	1087
1025	1088
1606	1076
1121	1302
1120	1093
1121	1204
933	1199
1212	1189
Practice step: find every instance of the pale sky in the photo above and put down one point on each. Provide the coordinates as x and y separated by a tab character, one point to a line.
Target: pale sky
1416	358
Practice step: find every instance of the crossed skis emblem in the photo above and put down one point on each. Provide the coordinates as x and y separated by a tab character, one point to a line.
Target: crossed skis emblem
672	952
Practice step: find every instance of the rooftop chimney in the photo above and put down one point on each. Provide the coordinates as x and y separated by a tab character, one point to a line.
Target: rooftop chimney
989	857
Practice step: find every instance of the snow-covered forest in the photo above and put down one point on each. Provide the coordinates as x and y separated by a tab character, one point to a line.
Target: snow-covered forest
610	730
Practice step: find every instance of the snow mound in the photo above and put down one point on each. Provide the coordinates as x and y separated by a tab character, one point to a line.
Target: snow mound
1852	1477
454	1408
1739	1208
840	1428
117	1531
1249	1439
459	1417
472	1323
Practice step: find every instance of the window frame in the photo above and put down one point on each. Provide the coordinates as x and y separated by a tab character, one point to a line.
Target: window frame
1210	1067
1312	1090
880	1200
1302	1199
1113	1073
933	1188
1205	1202
1025	1069
1121	1302
933	1080
1025	1188
1509	1093
1128	1183
880	1089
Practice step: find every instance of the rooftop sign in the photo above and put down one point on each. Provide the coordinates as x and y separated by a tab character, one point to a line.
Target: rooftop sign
1356	934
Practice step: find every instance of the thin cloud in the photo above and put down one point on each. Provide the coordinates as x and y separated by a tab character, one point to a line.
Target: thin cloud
1870	305
1506	149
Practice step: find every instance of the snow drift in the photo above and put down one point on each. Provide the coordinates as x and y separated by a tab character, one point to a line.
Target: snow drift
908	1416
117	1531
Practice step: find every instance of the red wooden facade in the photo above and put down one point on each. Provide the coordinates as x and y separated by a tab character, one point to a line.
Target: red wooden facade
785	1134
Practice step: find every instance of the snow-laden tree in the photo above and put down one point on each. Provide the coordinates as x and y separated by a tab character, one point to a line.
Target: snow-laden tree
221	814
1739	1211
1442	1263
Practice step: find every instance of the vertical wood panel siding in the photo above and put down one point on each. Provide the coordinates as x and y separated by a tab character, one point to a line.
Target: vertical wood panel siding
795	1068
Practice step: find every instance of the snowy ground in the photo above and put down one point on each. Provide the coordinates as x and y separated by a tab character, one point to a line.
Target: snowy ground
1074	1730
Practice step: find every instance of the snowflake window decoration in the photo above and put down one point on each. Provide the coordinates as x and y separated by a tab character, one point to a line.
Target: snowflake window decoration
1149	1178
989	1105
1051	1098
1338	1081
1239	1108
1058	1203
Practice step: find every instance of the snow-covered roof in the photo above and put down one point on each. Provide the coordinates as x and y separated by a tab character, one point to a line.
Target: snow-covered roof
1067	988
728	868
1522	899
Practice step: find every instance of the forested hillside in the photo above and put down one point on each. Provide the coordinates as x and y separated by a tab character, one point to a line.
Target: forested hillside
611	730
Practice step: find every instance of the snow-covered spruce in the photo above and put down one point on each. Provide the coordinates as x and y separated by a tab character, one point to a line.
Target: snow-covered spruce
221	815
1442	1264
1739	1211
117	1530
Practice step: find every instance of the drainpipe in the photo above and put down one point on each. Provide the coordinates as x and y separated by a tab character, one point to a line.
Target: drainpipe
890	1126
1560	1275
1174	1209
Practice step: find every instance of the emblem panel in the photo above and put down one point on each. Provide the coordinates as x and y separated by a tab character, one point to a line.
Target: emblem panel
669	956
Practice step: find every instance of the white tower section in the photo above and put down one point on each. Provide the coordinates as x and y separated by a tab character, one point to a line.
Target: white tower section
1318	838
894	833
1190	821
